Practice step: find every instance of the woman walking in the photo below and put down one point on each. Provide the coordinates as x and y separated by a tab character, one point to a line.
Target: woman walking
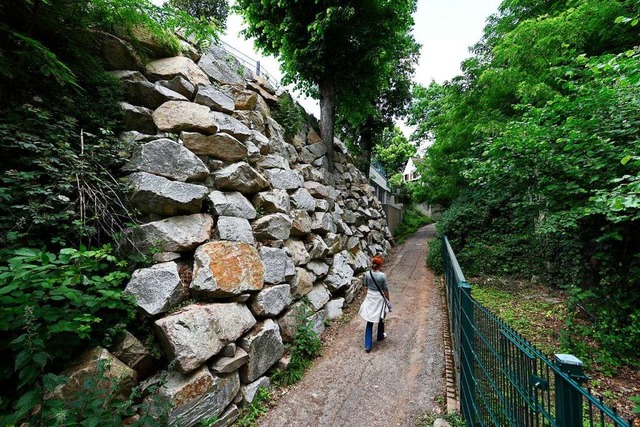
376	304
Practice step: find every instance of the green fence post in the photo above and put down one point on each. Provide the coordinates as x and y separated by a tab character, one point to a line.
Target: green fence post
467	381
568	398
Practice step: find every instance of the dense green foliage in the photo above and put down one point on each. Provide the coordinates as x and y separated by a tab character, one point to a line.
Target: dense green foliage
215	10
60	284
536	156
412	220
393	152
54	305
357	56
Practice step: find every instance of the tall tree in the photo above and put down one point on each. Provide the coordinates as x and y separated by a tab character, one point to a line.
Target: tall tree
394	151
344	51
216	10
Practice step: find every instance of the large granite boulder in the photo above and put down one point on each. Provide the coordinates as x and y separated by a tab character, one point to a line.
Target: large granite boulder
235	229
157	288
150	95
240	177
297	251
179	84
274	162
232	319
198	395
303	200
323	223
177	116
137	118
114	374
318	268
196	333
317	248
244	99
220	146
168	68
284	179
168	159
223	269
300	223
222	67
214	98
189	337
154	194
340	273
333	309
301	284
116	54
250	390
231	204
318	297
270	301
318	190
275	201
265	348
134	354
278	267
175	234
272	227
228	364
232	126
313	151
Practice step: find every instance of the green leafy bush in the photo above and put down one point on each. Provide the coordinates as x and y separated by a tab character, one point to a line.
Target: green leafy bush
434	257
52	306
536	157
412	220
98	402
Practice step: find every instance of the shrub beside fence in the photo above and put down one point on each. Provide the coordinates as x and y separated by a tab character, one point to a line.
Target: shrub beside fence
503	380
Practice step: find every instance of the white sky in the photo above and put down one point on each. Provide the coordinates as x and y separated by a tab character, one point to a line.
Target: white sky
444	28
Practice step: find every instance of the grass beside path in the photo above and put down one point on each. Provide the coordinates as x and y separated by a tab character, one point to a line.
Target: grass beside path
412	220
540	314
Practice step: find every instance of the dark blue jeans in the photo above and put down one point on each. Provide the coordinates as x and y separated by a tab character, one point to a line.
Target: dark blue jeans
368	334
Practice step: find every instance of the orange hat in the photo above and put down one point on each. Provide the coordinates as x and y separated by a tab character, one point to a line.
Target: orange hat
376	261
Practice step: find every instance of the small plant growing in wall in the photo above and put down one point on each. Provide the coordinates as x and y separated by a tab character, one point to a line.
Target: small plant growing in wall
258	407
305	347
289	115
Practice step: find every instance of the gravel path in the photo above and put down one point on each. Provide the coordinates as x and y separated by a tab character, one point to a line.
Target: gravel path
402	376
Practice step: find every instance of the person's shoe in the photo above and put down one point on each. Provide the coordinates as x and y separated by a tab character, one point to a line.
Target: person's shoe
368	350
383	337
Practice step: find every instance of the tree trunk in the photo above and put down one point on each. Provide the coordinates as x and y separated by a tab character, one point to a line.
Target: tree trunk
327	116
366	142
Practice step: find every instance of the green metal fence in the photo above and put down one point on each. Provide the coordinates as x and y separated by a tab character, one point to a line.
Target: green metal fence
503	380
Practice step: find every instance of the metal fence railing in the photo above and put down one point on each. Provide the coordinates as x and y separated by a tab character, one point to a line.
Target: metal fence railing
503	380
252	64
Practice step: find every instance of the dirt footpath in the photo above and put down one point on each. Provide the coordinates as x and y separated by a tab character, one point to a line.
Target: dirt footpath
402	376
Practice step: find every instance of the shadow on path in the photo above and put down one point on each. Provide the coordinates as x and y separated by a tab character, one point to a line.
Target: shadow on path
402	376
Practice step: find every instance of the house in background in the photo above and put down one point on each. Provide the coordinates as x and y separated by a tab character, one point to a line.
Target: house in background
378	180
393	210
410	172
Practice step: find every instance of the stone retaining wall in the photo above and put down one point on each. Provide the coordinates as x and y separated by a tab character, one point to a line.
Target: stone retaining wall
243	221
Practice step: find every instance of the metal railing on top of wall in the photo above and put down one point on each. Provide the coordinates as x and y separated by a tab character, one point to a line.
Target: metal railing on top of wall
250	63
503	380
